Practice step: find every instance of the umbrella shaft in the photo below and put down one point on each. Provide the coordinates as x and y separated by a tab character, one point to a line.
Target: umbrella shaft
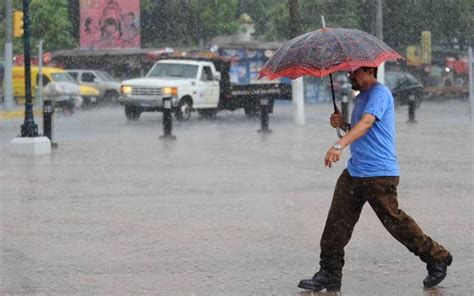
333	96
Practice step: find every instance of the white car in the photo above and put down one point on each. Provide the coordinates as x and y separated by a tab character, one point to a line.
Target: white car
108	87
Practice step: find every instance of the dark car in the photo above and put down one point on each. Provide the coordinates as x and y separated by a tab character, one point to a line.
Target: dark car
403	87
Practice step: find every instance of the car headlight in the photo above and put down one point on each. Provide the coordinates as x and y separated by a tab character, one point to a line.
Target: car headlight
170	91
126	89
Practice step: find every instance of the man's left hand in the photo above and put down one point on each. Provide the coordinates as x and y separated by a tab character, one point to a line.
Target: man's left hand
332	156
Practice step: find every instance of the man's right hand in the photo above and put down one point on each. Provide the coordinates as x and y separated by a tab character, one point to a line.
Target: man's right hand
337	120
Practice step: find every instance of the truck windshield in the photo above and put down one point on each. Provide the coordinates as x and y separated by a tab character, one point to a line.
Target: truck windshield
174	70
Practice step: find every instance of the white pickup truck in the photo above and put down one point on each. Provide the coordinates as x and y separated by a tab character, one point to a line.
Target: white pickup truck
194	84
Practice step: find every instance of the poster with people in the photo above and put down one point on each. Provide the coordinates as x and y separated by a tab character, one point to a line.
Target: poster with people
109	23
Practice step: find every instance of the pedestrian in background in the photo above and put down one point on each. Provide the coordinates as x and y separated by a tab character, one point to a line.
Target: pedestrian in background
372	175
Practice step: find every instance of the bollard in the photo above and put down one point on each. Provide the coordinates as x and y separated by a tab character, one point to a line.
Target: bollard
48	113
345	107
264	119
167	120
411	108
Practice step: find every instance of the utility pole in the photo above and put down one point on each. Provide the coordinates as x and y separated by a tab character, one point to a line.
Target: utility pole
378	7
297	85
7	79
29	128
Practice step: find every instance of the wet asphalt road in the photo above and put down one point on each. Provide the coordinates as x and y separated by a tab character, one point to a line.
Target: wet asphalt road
223	210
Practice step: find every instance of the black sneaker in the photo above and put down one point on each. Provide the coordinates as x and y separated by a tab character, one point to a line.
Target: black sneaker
437	271
321	280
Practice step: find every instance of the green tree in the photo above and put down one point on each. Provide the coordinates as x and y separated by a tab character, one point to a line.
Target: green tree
48	21
337	13
186	22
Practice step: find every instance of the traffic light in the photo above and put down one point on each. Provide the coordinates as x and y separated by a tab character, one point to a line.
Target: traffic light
17	23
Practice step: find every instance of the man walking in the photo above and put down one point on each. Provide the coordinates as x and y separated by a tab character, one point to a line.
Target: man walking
372	176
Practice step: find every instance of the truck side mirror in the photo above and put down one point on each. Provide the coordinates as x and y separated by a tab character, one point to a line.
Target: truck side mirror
217	76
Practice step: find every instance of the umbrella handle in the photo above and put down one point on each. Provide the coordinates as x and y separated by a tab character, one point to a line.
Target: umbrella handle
339	133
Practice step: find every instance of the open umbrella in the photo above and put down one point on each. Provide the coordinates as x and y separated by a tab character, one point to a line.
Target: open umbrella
325	51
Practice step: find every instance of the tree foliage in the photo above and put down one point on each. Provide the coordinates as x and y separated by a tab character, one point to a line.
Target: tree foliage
49	22
272	16
184	23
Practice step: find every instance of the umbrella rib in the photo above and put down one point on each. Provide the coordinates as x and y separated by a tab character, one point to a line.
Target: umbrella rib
366	50
319	37
383	50
289	48
342	48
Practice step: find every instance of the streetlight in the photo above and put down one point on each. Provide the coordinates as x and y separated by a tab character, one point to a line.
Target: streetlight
29	143
29	128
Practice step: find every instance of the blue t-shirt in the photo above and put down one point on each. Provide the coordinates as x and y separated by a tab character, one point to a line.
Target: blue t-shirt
373	155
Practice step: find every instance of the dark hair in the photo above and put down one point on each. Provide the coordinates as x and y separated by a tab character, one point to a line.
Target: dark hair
374	68
111	22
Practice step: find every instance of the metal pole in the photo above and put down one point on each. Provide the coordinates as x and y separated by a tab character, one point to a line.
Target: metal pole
48	121
471	81
333	95
39	93
297	89
379	35
29	128
7	79
411	108
167	120
264	119
297	85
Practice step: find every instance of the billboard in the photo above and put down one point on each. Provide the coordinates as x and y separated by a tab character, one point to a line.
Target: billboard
109	23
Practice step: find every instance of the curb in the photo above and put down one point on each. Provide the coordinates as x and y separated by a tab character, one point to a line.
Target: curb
6	115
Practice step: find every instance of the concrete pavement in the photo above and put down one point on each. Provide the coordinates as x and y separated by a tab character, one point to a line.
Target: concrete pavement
223	210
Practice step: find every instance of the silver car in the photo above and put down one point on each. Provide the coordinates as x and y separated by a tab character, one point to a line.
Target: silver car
108	87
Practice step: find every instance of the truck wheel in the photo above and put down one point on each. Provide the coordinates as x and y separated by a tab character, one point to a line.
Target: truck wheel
183	113
132	113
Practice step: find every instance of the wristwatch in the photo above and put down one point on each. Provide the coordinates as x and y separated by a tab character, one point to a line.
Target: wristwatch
338	147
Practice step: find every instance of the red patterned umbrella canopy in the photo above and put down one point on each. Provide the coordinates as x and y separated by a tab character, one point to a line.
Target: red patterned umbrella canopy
327	50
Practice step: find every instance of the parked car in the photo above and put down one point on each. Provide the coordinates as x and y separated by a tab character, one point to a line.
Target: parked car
109	88
50	74
403	85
